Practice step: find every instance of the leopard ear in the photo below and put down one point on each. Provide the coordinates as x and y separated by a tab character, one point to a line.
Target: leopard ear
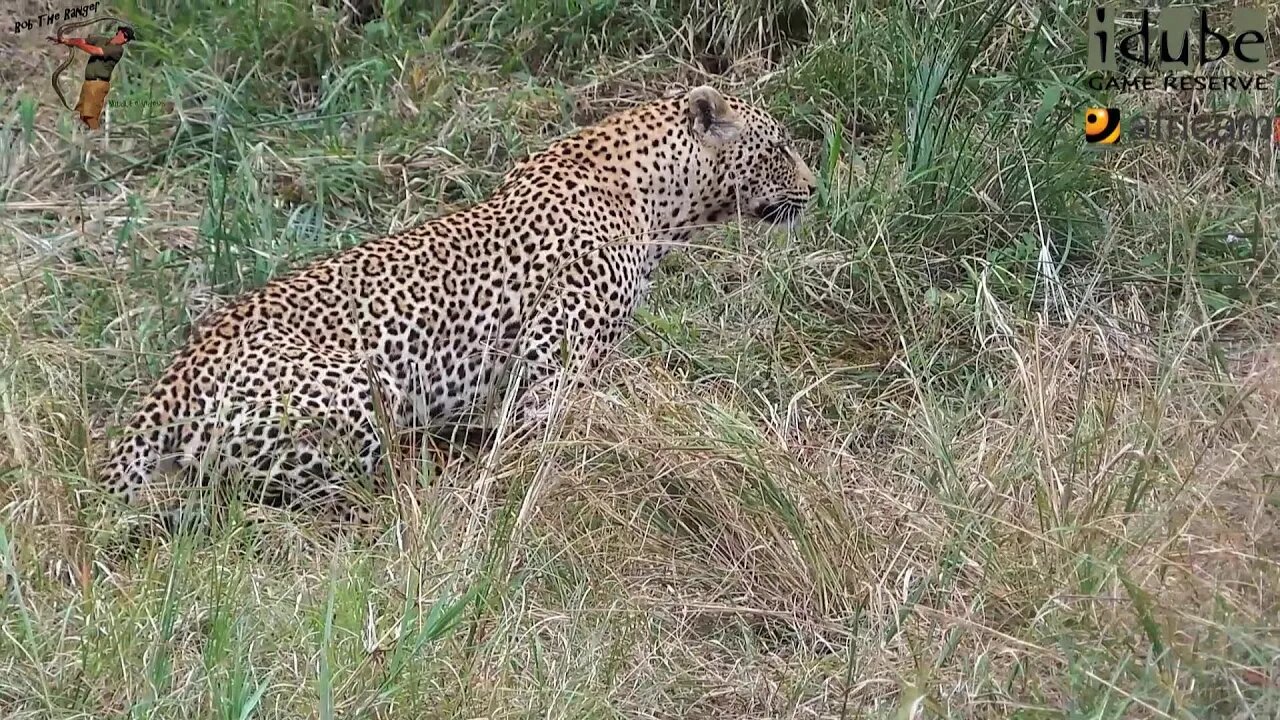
714	122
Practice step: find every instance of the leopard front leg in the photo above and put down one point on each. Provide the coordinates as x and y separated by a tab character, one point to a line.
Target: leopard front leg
565	345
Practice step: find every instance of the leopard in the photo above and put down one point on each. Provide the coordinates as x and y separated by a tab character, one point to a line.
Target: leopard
297	385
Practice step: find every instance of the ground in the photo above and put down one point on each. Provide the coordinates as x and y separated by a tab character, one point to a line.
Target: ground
993	435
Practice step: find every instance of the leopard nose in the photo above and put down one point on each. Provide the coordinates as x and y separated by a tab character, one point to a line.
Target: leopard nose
806	177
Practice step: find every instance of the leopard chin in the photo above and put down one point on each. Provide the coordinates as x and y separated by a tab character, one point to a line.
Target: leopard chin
785	214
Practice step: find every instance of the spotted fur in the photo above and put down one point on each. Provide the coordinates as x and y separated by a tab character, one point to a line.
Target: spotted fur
293	384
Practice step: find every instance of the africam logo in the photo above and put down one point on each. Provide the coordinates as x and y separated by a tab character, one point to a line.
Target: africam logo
105	52
1102	127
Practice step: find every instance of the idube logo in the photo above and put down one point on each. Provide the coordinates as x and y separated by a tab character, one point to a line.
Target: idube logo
1181	40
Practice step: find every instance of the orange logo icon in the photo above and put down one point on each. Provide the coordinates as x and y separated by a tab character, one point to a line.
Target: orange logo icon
1102	125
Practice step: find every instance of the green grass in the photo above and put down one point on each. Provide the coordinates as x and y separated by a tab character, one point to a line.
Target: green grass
993	435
